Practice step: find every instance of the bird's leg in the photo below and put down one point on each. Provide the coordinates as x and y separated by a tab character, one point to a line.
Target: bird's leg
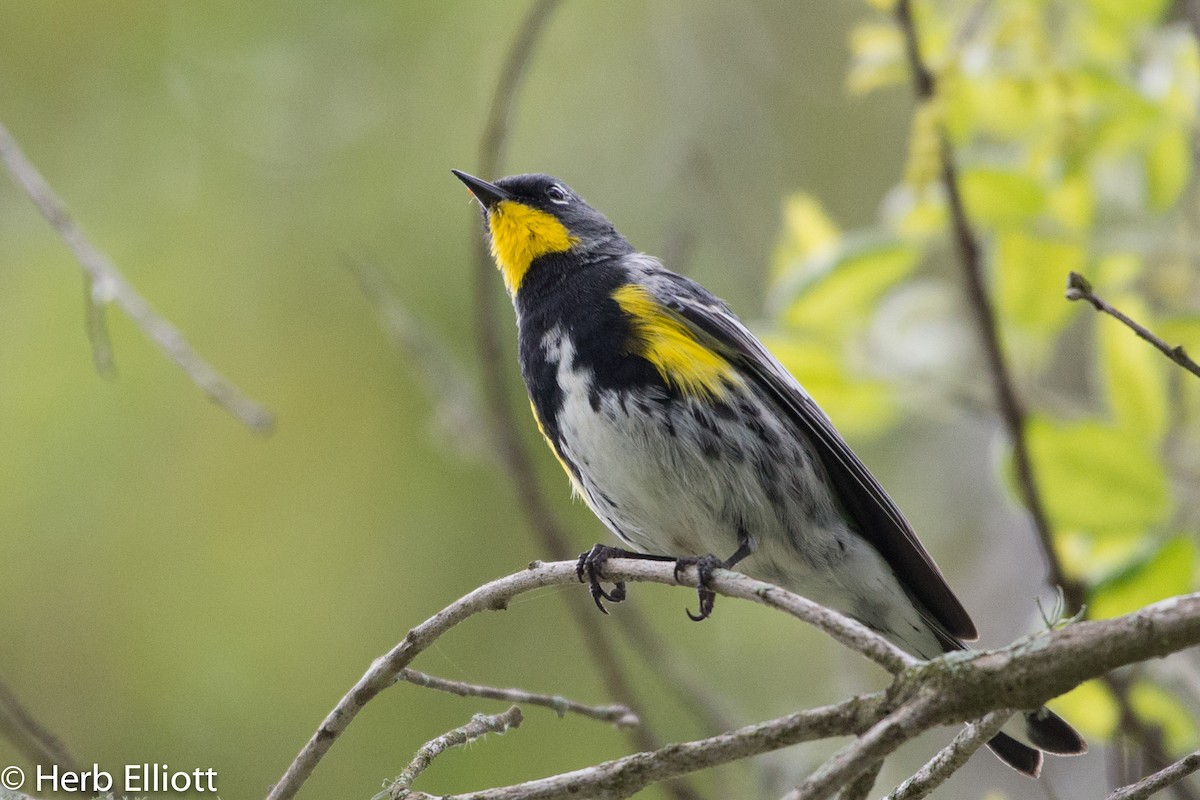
704	568
591	565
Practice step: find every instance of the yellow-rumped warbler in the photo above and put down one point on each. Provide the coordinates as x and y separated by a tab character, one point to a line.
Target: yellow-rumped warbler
687	437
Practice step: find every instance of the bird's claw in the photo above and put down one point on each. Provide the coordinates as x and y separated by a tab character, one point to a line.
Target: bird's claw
704	568
589	568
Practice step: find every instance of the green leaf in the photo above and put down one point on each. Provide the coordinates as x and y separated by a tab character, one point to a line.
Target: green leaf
1097	477
865	406
1120	14
1133	373
1164	572
1030	273
1168	166
878	58
847	292
809	236
998	197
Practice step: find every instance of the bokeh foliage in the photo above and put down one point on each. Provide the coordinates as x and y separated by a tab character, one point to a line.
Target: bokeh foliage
1073	127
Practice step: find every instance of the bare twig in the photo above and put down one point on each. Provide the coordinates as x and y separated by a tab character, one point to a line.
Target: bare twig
1079	288
948	760
968	684
1145	733
1004	388
622	777
860	788
32	738
496	596
459	412
106	284
846	765
1160	780
621	716
479	726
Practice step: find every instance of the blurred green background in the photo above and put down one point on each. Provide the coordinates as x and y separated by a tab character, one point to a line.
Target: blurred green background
176	589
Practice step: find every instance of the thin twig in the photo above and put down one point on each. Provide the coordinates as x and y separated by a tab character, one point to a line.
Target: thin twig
970	257
623	777
108	285
1147	734
860	788
1079	288
948	760
621	716
32	738
1160	780
479	726
496	596
457	407
882	739
969	684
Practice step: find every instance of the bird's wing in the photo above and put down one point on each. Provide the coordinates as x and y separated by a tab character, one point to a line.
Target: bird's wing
873	512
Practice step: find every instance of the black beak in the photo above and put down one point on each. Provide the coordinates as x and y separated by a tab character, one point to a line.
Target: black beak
486	193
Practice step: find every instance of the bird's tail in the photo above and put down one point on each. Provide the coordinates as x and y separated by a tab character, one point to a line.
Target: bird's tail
1029	734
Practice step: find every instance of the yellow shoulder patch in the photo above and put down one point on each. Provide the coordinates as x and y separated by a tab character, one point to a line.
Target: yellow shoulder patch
665	341
520	234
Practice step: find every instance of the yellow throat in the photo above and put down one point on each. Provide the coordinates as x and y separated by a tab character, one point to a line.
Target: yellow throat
519	235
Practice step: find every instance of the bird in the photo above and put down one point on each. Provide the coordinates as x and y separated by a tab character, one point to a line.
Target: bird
688	438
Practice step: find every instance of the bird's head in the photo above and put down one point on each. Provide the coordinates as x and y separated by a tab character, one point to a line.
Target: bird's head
531	216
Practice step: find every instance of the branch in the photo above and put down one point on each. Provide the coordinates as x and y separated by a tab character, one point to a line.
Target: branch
1159	780
106	284
881	740
1079	288
479	726
622	777
948	761
860	788
32	738
457	408
952	688
967	243
965	685
621	716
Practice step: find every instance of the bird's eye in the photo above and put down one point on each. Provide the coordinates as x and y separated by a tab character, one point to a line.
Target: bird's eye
556	194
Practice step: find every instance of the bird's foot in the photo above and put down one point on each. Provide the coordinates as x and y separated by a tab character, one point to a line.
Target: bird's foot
589	569
704	568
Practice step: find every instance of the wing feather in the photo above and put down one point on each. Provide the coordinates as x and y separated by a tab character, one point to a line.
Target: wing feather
876	517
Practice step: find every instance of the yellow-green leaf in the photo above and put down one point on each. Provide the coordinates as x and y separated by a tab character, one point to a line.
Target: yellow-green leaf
996	197
1097	477
878	58
848	292
1072	203
1030	273
1133	373
1120	14
1165	573
1168	166
862	406
808	235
